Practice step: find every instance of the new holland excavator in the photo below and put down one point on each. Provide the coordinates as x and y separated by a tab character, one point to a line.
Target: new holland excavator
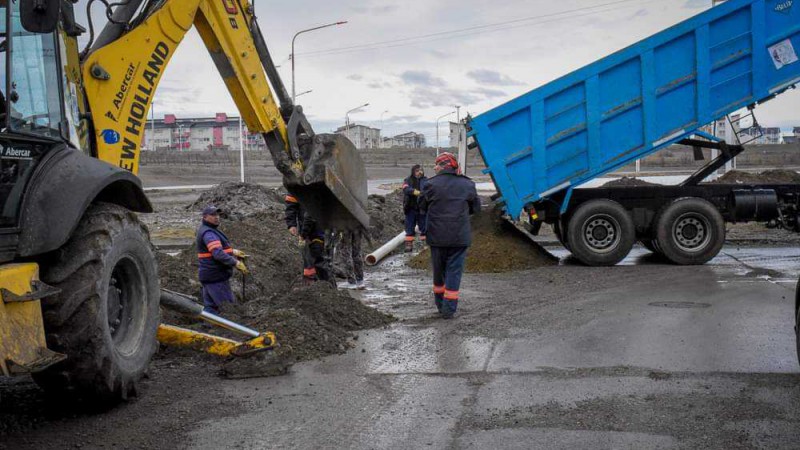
79	288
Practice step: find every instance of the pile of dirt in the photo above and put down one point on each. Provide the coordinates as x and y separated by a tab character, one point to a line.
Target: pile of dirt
628	181
309	321
774	176
386	218
240	200
497	246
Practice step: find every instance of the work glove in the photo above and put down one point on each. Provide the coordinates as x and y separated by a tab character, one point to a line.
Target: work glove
417	192
242	268
240	254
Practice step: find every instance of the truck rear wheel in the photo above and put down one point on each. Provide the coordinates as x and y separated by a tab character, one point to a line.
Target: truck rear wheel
106	316
600	233
690	231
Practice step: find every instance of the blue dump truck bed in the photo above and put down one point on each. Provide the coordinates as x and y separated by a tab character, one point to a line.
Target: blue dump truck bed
638	100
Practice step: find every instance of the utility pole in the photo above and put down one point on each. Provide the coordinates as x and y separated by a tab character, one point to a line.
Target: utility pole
153	126
292	56
241	150
462	142
439	147
380	137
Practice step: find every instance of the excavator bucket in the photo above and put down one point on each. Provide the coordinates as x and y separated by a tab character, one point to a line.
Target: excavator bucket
333	184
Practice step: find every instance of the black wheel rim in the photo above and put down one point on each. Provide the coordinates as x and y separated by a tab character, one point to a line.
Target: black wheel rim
601	233
692	232
125	302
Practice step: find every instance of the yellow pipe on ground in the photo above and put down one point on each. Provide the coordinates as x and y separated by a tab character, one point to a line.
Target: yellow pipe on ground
215	345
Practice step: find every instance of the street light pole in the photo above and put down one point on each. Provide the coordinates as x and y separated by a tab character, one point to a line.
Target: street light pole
152	125
347	119
241	150
380	144
439	147
306	31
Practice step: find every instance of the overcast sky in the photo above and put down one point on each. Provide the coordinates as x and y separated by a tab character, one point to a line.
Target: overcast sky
410	59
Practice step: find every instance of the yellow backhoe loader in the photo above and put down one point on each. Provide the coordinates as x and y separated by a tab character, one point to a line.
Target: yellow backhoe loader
79	289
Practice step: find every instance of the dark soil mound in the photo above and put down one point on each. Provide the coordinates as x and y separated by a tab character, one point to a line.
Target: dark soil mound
775	176
497	246
309	321
628	181
240	200
386	217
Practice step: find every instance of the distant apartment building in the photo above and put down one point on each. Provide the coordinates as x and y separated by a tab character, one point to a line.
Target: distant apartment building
405	140
361	136
197	134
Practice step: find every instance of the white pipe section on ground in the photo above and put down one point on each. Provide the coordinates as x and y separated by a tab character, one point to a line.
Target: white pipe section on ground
374	257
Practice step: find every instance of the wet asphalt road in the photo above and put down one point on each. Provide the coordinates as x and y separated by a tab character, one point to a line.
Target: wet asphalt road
642	355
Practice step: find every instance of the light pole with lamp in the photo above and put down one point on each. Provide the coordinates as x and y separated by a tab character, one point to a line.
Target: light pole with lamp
438	147
152	126
381	142
347	119
306	31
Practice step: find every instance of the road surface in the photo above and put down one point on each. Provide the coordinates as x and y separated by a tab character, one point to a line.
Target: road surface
642	355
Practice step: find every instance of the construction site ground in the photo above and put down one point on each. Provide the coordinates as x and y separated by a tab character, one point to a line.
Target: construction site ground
641	355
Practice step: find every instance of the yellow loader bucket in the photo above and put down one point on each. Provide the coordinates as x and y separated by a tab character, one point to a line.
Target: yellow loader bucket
333	184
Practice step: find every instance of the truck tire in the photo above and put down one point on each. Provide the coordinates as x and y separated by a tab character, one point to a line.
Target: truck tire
600	233
690	231
106	316
558	228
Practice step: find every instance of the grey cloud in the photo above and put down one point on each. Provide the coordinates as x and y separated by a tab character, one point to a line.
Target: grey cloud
379	85
374	10
424	97
440	54
696	4
422	78
355	77
492	78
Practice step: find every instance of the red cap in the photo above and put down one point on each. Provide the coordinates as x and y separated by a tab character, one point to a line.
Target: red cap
447	159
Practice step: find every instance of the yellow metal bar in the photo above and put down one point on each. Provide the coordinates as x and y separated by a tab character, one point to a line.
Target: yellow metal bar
181	337
215	345
22	341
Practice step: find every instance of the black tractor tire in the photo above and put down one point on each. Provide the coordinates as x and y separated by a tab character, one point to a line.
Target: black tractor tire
601	233
690	231
107	314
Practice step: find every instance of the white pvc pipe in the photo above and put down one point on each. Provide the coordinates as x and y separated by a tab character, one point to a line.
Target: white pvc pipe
374	257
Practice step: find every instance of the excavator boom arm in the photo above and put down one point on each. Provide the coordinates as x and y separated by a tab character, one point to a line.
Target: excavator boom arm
121	77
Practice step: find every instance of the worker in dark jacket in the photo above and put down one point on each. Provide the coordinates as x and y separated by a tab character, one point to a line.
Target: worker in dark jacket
412	188
312	240
217	259
448	199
